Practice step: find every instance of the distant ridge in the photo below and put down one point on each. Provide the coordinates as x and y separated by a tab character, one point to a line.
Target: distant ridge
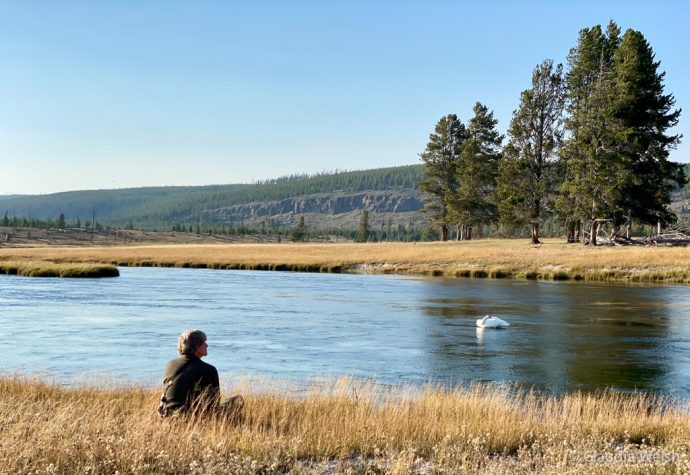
166	206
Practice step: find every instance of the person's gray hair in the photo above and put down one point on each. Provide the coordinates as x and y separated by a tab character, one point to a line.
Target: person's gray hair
189	341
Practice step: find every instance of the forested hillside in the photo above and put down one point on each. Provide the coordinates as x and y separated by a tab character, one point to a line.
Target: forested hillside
164	207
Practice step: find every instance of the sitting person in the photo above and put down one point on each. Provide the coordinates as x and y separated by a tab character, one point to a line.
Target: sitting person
191	386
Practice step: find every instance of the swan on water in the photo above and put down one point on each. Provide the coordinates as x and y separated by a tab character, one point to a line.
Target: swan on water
492	322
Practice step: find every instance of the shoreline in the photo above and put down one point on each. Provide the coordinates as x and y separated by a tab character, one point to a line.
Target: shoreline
50	269
499	259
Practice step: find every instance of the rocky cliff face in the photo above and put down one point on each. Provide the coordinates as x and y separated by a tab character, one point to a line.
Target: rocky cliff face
327	209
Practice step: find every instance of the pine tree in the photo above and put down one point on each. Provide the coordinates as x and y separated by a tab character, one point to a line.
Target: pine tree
299	232
476	173
440	170
645	114
363	230
594	173
616	165
527	171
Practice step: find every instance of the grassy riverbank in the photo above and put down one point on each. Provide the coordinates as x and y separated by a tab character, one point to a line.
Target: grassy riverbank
35	268
495	258
344	427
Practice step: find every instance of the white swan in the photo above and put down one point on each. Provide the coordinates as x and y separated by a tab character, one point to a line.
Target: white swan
492	322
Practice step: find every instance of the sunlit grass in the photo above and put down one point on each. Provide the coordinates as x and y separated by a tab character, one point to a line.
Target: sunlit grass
37	268
344	425
494	258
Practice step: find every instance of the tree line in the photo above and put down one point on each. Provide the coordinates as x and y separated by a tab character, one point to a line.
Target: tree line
588	147
59	223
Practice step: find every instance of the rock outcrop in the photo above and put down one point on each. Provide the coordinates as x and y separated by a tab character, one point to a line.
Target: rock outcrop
327	209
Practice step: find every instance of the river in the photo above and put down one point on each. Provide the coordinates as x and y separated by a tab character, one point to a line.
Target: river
395	329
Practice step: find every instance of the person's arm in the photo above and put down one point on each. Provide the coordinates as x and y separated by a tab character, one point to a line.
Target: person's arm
216	385
212	385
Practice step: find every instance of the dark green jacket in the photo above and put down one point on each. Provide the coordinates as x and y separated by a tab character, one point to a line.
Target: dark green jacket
196	383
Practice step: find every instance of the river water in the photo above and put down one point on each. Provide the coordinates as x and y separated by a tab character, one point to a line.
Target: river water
396	329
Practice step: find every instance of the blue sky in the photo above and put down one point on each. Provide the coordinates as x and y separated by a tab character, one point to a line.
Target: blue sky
114	94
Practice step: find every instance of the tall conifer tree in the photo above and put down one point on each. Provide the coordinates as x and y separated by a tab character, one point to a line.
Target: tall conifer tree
593	171
440	168
645	114
527	175
476	172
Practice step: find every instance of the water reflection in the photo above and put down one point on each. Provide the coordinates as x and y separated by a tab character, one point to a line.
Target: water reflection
562	335
617	337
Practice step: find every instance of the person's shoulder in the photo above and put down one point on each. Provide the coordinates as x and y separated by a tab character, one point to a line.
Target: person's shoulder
173	360
206	366
173	365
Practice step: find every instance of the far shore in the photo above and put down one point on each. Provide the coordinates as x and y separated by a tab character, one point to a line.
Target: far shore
484	258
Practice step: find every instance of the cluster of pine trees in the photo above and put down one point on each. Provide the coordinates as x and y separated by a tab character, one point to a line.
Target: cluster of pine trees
588	147
59	223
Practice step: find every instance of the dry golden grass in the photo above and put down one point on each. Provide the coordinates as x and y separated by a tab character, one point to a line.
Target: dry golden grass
483	258
342	427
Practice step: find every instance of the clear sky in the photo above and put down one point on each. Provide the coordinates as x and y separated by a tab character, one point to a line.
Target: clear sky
124	93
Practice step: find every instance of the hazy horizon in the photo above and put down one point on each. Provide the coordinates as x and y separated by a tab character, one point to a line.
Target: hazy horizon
254	182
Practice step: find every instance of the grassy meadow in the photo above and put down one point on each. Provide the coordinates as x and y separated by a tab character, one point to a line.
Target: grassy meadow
494	258
342	426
